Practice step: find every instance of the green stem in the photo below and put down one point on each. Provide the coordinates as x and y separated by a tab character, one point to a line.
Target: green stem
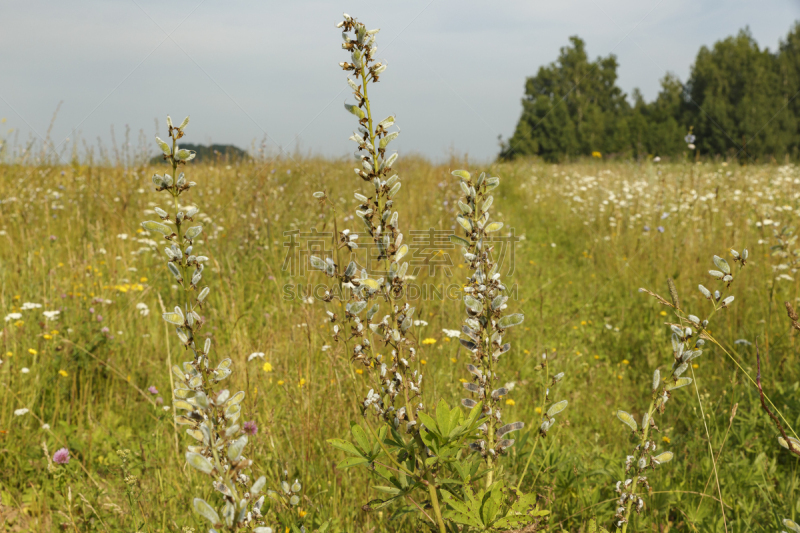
645	431
536	443
435	503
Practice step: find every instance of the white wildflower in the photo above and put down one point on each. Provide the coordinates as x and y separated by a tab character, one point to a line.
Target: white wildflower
143	309
51	315
20	412
254	355
13	316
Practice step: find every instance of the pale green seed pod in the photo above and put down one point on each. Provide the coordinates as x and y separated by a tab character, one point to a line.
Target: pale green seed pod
203	294
184	123
164	146
627	419
200	463
205	510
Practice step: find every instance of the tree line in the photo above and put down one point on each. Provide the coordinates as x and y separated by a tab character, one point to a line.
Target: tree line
741	101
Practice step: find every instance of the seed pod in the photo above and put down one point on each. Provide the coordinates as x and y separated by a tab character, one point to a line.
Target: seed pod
494	226
469	404
206	511
463	174
354	109
722	264
557	408
395	188
656	379
663	457
727	301
472	304
184	123
175	272
164	146
199	462
627	419
386	140
236	448
193	232
387	122
157	226
401	253
487	203
510	321
508	428
203	294
677	384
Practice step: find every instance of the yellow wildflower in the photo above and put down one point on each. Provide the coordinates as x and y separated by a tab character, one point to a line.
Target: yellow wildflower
32	351
429	341
63	373
625	362
302	383
538	410
453	360
597	155
47	337
665	439
359	371
19	323
695	365
423	362
663	313
142	280
9	354
510	402
280	382
267	367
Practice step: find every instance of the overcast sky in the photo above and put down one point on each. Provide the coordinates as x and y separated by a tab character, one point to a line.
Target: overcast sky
249	70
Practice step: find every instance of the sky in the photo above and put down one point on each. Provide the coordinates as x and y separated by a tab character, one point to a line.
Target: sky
265	73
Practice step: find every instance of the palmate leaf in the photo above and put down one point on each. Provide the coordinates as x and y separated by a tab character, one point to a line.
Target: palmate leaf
362	440
466	513
345	446
522	512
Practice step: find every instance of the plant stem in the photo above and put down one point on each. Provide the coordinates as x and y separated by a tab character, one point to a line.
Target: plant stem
435	503
629	504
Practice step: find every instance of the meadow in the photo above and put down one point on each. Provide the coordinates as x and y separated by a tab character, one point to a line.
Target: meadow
86	355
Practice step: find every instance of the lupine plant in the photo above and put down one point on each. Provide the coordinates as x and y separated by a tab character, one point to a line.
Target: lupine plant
211	415
689	335
425	458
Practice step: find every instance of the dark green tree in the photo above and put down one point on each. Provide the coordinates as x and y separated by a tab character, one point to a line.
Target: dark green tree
572	107
735	100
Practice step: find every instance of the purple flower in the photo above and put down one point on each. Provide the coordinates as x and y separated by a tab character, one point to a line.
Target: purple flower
104	330
152	389
250	427
52	237
91	310
159	400
99	318
660	229
646	227
61	456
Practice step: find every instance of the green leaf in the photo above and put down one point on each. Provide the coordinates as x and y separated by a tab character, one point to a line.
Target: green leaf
460	512
455	239
351	462
345	447
429	422
443	418
388	490
361	438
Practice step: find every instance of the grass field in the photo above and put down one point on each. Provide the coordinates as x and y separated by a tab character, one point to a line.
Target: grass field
588	236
